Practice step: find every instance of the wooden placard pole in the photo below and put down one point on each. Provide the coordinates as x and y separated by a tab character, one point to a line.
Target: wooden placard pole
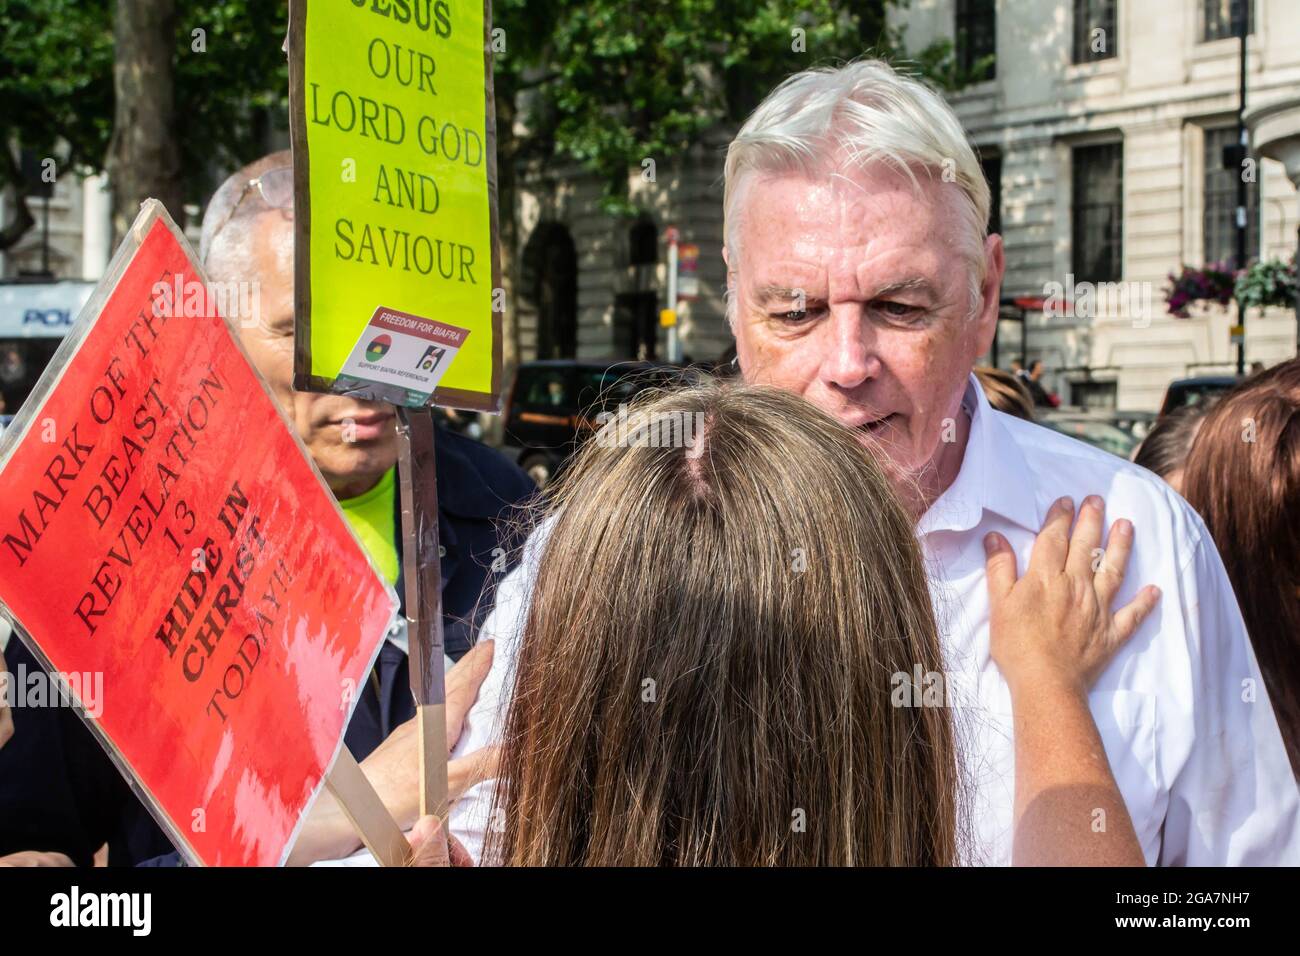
336	301
366	811
422	569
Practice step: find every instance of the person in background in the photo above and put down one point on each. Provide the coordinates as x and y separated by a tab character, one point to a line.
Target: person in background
1243	477
732	707
12	367
1164	450
1031	378
59	791
1005	392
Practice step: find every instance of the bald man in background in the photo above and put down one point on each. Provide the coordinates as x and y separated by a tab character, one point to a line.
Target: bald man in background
58	790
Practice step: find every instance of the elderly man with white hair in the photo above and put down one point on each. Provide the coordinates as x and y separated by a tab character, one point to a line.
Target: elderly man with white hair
861	276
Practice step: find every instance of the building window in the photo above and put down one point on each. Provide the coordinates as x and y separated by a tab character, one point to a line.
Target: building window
1097	212
1220	214
1217	19
977	39
992	166
1095	35
550	285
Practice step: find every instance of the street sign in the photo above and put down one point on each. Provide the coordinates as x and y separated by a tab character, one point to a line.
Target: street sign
688	280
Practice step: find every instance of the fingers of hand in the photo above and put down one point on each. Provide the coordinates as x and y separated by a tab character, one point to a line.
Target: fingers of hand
1130	617
1114	562
1052	545
473	667
32	858
459	855
463	682
1000	566
428	844
471	769
1085	542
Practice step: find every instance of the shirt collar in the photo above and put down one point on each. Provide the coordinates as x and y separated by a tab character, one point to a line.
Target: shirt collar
994	475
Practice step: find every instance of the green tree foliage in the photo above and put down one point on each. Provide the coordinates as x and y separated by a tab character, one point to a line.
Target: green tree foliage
56	80
609	83
56	87
603	83
56	84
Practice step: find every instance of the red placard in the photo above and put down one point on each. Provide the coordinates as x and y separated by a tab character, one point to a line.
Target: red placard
163	526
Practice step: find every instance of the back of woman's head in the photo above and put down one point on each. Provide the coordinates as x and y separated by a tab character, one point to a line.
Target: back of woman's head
726	593
1243	477
1006	392
1165	448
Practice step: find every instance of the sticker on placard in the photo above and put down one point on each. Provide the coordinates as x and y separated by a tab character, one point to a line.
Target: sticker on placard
400	351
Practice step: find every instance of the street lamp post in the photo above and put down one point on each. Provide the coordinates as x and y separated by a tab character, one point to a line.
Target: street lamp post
1241	21
668	316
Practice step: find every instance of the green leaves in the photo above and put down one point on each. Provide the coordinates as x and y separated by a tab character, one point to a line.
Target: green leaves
605	84
231	95
1268	283
56	81
625	82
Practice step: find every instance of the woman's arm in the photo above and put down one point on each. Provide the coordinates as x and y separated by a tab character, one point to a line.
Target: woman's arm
393	770
1051	635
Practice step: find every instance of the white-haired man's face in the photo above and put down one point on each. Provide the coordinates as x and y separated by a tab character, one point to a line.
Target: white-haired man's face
854	291
352	442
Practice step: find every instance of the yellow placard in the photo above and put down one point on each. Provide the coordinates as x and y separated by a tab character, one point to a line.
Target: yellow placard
394	160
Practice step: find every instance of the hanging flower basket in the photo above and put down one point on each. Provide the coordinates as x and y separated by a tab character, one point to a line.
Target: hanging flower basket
1270	283
1260	285
1214	283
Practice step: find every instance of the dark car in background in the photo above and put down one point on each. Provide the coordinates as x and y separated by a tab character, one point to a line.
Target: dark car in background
1136	423
1194	391
1100	429
553	406
1114	430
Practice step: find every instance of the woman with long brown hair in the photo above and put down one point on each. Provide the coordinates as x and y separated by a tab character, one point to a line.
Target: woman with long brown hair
1243	477
727	604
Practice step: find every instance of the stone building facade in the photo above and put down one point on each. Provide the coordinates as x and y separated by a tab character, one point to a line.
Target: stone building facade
618	265
1107	170
1102	132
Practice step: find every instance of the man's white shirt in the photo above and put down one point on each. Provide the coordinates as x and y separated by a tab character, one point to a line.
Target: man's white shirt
1182	710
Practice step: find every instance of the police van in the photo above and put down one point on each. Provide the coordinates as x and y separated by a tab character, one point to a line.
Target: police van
34	317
